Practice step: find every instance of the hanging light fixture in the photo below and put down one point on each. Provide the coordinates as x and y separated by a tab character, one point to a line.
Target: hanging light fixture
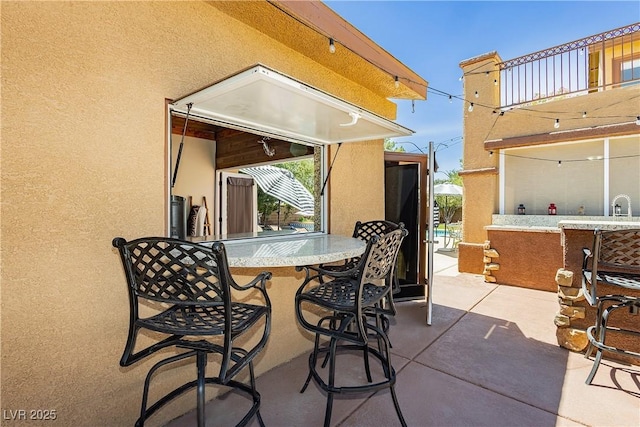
332	46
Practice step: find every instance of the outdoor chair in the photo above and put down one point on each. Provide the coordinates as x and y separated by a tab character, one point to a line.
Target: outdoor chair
614	260
196	310
365	231
346	300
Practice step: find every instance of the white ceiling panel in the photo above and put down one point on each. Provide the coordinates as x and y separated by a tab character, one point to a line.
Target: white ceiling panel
267	102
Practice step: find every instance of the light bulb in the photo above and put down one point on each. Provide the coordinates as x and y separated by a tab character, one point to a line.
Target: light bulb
332	46
557	124
638	120
477	95
490	153
461	77
397	82
470	107
450	99
559	163
584	115
495	82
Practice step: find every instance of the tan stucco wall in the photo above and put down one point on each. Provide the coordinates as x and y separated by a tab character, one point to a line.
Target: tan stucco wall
83	160
356	188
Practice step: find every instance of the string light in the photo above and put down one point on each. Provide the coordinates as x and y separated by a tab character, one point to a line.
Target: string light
450	99
397	82
584	115
559	162
490	153
332	46
495	82
470	109
638	120
477	95
557	124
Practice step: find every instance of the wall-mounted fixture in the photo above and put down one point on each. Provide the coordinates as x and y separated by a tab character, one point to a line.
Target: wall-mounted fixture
268	149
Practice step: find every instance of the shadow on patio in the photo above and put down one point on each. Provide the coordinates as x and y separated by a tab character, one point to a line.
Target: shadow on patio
489	359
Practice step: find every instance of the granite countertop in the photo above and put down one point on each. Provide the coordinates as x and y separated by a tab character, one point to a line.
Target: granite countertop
529	228
618	224
292	250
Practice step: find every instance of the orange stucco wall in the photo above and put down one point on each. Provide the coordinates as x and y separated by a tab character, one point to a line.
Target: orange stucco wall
527	259
84	160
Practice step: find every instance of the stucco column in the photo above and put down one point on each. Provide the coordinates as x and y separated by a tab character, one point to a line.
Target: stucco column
479	176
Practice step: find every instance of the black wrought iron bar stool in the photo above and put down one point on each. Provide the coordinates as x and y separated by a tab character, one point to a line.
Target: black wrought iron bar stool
193	296
614	260
347	299
365	232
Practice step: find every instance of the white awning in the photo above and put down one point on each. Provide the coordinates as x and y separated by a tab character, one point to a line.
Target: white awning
266	102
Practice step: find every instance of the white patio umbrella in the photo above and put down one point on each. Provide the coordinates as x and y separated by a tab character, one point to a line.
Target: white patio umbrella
281	184
446	189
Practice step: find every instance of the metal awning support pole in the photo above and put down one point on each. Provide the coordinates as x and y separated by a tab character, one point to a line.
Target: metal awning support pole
184	131
324	184
430	234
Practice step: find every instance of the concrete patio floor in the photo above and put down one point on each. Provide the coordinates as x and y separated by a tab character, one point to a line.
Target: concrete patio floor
489	359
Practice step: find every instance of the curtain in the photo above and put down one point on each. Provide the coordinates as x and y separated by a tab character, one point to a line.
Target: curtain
240	205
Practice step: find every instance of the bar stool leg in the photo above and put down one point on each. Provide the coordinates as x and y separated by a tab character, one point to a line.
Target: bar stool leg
201	362
332	377
601	331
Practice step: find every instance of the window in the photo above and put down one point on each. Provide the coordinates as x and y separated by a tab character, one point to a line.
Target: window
259	116
216	163
627	71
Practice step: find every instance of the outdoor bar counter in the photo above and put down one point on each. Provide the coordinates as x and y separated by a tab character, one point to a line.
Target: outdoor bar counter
280	254
531	248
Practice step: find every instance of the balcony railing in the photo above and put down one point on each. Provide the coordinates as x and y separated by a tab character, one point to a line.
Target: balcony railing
599	62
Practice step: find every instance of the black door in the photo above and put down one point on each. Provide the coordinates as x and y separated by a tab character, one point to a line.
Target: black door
402	204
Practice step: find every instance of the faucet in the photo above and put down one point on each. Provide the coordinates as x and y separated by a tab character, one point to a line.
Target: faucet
617	210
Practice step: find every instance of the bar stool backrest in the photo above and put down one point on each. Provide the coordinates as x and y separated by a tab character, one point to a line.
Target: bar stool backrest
618	249
366	230
379	261
177	272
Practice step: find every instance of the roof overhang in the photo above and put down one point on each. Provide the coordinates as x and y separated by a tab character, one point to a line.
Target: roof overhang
266	102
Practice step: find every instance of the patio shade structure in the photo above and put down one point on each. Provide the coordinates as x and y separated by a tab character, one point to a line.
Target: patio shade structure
281	184
446	189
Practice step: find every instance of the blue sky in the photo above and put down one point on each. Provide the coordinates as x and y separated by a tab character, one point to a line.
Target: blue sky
433	37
